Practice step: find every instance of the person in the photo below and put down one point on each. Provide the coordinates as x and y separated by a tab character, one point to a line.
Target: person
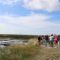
39	40
55	40
58	41
51	40
46	40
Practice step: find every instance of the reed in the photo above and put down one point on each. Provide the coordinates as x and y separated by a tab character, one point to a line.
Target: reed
29	52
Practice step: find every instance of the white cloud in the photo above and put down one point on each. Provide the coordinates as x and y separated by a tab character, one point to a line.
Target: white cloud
32	24
49	5
31	20
9	2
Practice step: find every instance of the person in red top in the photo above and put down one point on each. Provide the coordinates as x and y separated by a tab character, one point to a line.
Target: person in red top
55	40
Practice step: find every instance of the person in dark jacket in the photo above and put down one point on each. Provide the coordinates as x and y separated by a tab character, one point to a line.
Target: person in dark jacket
39	40
47	40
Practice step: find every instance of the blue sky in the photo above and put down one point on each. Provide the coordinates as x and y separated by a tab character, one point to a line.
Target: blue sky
29	17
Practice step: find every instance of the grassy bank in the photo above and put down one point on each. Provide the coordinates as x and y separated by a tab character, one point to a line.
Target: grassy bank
29	53
18	53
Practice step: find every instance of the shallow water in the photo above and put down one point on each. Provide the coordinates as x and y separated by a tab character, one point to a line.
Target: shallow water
12	42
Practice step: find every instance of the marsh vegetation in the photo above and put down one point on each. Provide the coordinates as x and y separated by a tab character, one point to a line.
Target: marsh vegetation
29	52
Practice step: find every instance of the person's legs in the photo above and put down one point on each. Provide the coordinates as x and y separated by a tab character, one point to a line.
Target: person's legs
55	44
51	43
45	43
59	43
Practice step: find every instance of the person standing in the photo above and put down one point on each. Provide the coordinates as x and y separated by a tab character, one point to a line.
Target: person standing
39	40
46	40
58	41
51	40
55	40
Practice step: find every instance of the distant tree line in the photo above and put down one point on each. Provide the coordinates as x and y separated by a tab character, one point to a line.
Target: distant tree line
18	36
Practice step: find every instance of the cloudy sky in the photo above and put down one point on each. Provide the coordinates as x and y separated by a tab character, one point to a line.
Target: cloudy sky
30	17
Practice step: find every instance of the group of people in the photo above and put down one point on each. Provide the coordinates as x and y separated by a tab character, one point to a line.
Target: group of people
49	40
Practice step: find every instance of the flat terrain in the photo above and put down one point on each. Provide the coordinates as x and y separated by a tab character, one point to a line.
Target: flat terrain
49	54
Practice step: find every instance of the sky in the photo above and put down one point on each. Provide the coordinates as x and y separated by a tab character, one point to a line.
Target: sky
30	17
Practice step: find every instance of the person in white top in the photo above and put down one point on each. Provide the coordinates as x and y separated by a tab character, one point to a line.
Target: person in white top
51	40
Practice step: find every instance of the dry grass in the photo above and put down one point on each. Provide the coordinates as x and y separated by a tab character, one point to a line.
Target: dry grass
18	53
49	54
29	52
